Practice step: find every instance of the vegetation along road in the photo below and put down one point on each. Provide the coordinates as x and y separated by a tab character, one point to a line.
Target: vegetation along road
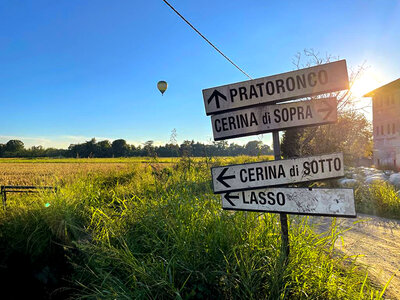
376	243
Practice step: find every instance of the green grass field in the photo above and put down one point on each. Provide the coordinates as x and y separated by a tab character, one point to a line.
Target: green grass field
145	232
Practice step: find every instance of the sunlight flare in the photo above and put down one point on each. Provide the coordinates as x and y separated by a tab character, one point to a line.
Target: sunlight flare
368	81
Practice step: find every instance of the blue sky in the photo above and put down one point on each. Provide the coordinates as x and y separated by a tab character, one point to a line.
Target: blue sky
73	70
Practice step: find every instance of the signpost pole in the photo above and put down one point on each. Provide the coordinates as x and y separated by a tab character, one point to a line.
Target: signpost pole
232	117
283	217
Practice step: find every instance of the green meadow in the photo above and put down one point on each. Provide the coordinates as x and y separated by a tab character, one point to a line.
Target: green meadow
151	232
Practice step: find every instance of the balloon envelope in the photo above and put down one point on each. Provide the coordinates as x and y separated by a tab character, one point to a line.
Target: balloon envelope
162	86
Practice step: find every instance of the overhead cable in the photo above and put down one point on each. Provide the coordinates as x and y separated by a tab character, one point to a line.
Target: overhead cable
212	45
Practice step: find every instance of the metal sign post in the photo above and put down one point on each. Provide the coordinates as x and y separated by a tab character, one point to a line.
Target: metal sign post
250	107
282	216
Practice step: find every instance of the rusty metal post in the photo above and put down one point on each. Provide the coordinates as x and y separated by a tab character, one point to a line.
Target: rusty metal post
283	217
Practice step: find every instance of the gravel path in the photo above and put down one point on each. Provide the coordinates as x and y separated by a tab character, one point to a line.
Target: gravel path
377	242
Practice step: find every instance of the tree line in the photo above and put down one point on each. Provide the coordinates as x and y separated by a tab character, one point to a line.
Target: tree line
120	148
351	134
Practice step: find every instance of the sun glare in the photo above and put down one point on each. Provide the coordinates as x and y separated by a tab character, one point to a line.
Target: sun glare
367	82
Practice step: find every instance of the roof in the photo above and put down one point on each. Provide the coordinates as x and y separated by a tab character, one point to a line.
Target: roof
384	88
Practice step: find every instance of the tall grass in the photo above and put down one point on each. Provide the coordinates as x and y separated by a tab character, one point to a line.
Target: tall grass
380	198
160	233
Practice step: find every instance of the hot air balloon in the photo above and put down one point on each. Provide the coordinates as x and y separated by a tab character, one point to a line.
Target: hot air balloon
162	86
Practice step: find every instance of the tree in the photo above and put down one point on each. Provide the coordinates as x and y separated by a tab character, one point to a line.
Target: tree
335	137
14	146
350	135
149	149
186	148
199	149
36	151
2	149
53	152
291	144
168	150
119	147
87	149
235	149
220	148
91	148
253	148
103	149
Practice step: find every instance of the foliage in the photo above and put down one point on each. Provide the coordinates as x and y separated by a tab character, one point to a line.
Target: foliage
120	148
380	199
14	146
350	135
155	232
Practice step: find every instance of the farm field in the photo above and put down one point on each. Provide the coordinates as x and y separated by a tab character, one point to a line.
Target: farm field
48	171
133	160
89	160
61	171
145	229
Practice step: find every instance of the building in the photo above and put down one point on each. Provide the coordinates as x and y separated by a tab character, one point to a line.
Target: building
386	124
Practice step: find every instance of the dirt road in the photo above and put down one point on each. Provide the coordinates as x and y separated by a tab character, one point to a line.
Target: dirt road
377	242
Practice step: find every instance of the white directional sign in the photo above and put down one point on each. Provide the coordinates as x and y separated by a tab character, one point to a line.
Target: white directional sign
307	201
282	87
267	118
277	172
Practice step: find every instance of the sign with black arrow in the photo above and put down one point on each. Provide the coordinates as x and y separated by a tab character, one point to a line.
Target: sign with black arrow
277	172
216	96
267	118
249	108
297	84
302	201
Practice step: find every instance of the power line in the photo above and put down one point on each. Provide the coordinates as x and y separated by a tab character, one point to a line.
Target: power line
212	45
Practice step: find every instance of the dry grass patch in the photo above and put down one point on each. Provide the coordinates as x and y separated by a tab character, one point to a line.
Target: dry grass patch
52	173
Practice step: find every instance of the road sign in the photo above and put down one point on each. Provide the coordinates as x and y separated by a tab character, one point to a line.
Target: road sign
278	172
267	118
303	201
282	87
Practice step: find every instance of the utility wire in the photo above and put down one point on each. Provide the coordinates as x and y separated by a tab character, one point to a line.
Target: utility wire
212	45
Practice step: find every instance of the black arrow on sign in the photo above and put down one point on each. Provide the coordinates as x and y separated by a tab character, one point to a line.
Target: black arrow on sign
221	178
228	198
216	95
328	108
